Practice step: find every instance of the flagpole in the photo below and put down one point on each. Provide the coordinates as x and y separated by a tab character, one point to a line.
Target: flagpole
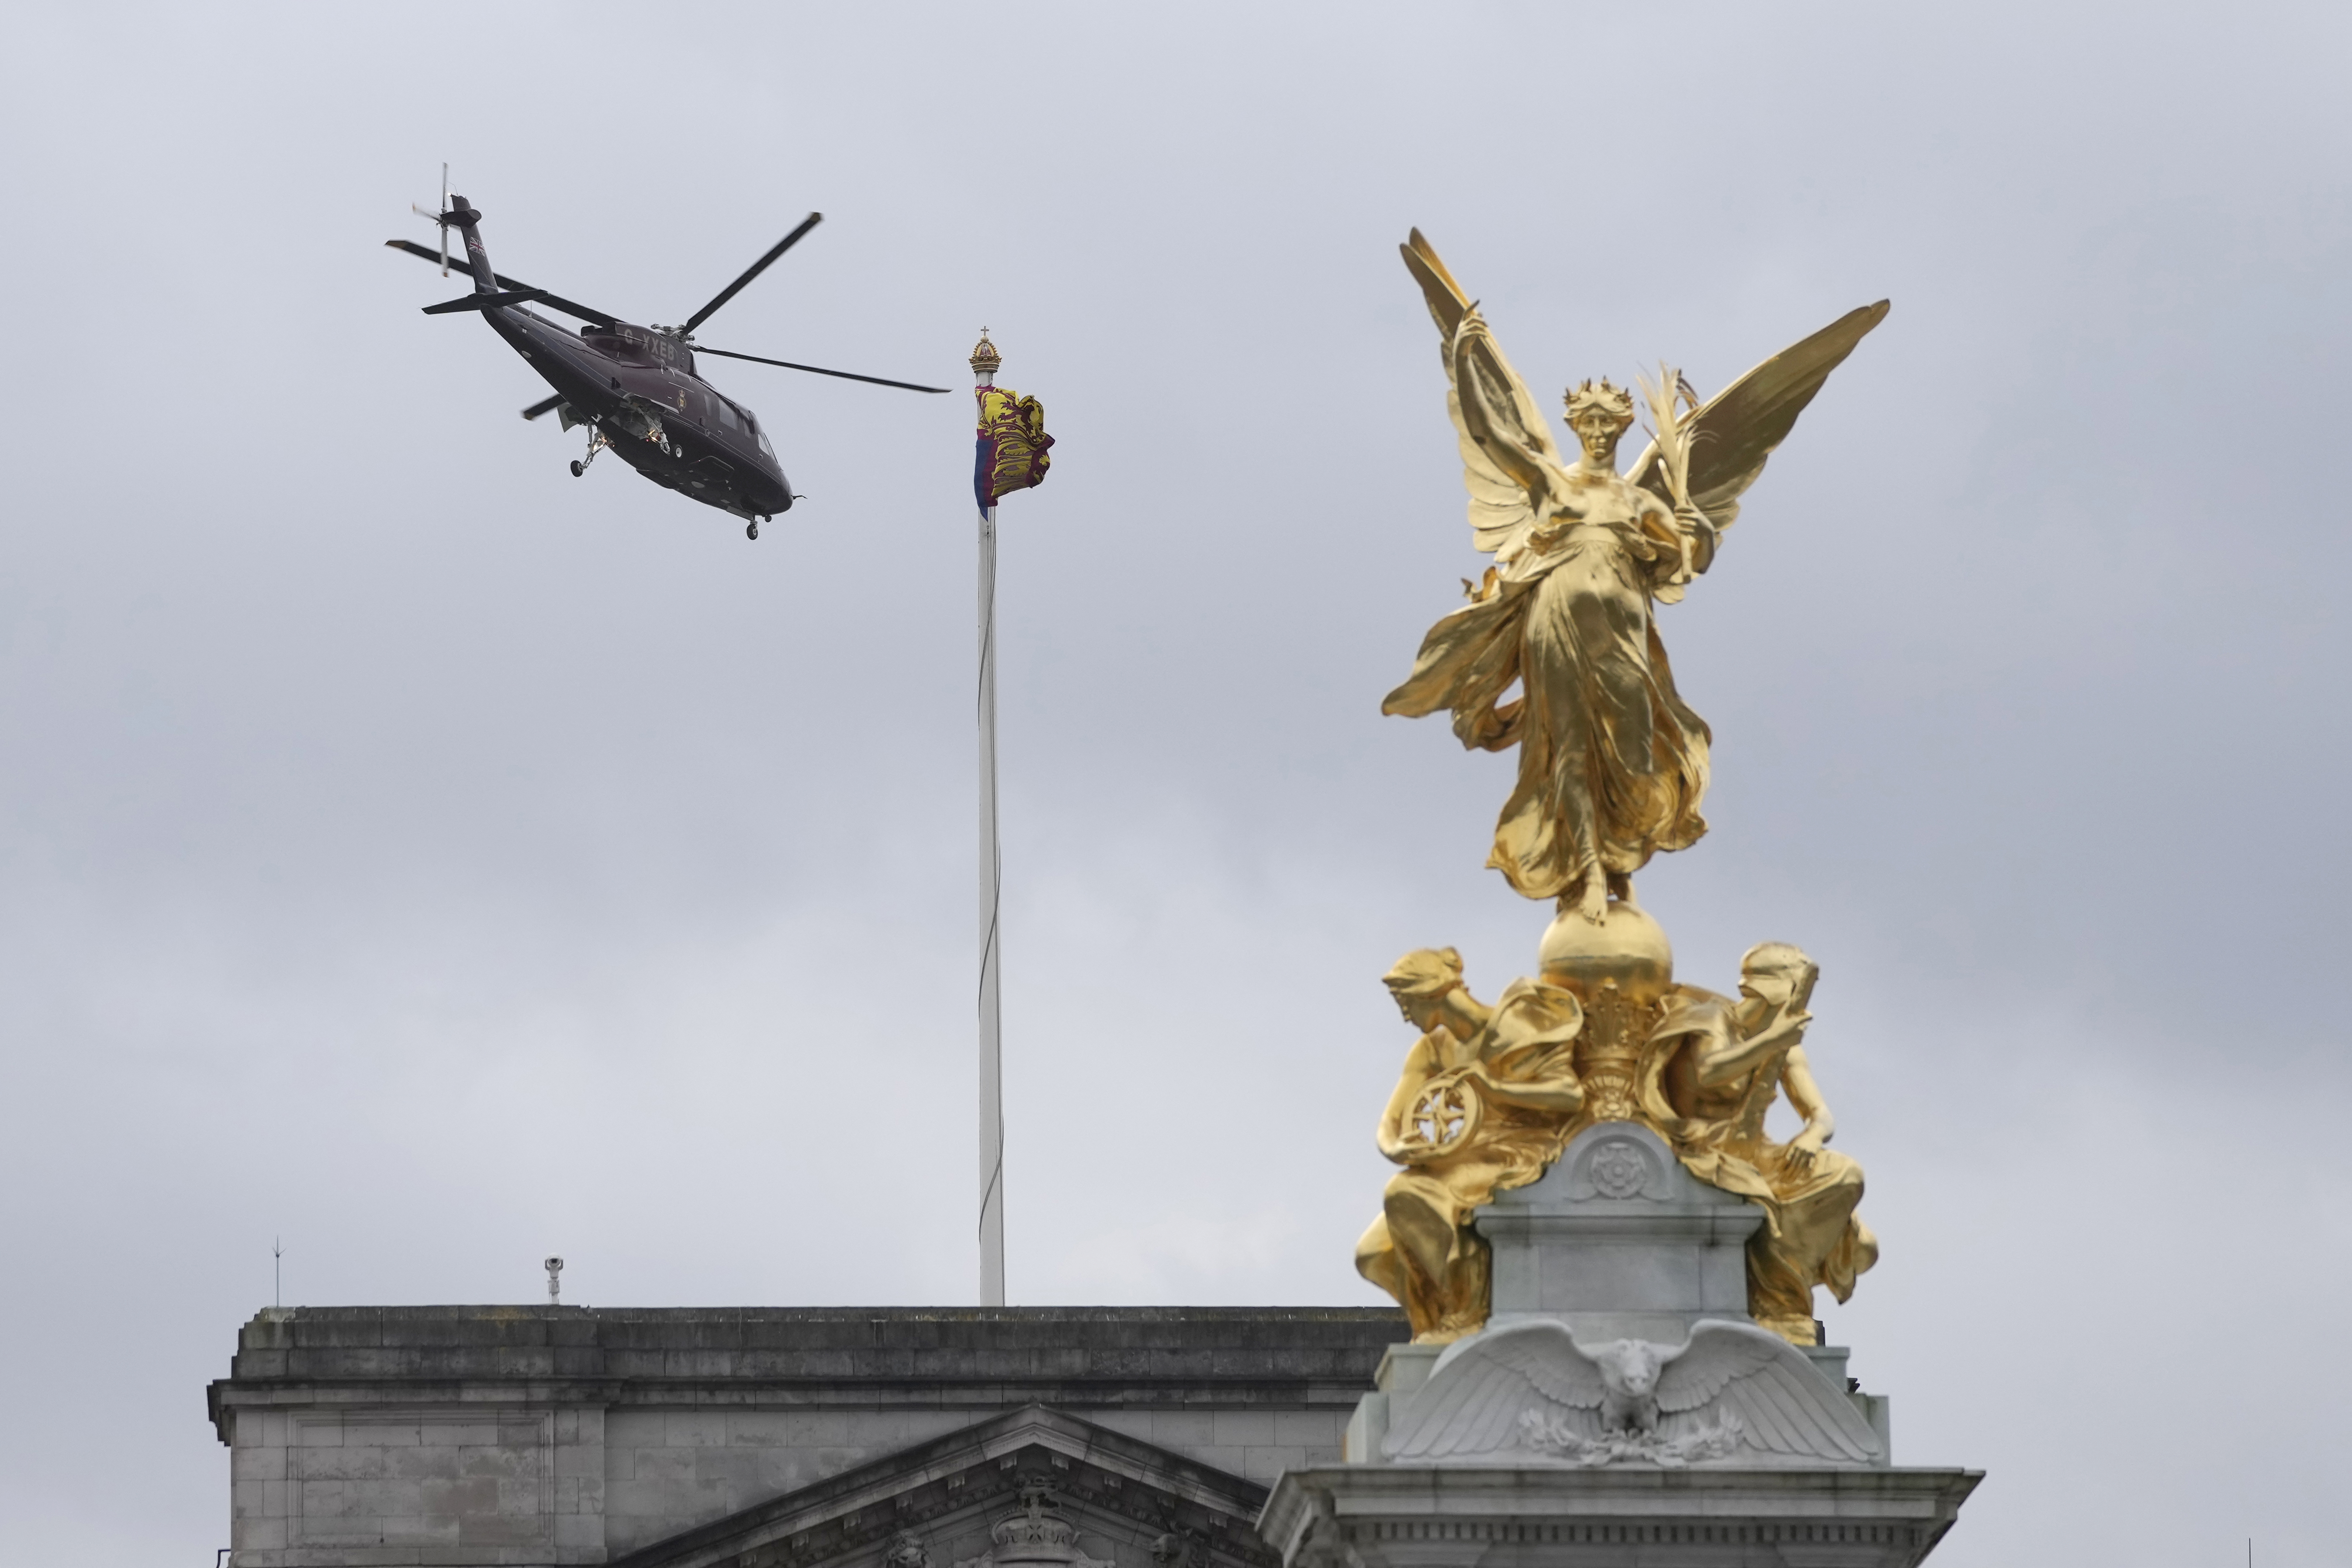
984	361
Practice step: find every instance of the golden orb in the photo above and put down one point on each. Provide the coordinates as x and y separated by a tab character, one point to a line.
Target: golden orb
1627	947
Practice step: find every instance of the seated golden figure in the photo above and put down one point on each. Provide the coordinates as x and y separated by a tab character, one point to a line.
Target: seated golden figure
1485	1102
1714	1070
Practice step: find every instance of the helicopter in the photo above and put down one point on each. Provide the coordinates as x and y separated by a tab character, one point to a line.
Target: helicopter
636	388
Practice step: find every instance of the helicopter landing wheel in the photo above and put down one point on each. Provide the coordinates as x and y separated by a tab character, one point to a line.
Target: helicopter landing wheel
578	467
753	531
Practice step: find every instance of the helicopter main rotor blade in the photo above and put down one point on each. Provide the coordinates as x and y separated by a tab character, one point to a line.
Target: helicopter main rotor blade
820	370
557	301
544	406
753	271
487	301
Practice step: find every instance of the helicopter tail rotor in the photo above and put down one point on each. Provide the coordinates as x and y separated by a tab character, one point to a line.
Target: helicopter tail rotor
439	218
457	214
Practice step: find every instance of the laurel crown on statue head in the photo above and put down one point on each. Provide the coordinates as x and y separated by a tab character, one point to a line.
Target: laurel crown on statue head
1613	401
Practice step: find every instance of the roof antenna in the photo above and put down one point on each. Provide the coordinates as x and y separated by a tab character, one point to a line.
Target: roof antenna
277	1273
554	1267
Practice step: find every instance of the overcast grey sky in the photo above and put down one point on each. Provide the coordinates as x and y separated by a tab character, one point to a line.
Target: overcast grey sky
416	853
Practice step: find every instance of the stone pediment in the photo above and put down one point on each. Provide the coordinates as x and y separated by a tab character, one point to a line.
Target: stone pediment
1030	1488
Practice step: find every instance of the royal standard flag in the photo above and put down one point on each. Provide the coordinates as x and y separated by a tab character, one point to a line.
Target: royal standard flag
1013	442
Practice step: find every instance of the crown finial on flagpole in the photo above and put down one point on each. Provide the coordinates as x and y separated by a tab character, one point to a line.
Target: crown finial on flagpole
985	359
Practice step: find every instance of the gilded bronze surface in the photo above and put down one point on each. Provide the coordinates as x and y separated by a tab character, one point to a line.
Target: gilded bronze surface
1714	1068
1557	654
1487	1099
1612	762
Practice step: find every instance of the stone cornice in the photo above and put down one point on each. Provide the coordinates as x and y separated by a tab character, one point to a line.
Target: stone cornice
1389	1516
973	1358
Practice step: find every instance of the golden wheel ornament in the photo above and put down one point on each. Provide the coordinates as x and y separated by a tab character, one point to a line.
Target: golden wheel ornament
1444	1116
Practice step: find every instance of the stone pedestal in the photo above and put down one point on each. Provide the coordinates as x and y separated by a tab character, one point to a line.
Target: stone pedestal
1617	1240
1619	1407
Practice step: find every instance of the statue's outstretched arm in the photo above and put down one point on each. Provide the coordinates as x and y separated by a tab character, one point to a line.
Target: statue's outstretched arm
1731	1056
1420	1067
1510	460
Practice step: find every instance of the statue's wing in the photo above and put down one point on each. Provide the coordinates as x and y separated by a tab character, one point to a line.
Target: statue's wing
1733	433
1783	1405
1716	1354
1509	460
1479	1389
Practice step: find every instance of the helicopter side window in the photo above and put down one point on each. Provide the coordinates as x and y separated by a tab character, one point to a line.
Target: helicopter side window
726	414
761	435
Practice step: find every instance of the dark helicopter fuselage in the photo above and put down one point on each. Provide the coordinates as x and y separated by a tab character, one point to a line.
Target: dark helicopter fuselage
638	388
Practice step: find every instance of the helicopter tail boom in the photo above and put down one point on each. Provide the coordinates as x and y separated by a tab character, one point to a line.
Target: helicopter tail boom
466	221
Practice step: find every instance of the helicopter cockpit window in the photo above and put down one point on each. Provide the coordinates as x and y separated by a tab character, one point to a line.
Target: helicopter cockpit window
727	414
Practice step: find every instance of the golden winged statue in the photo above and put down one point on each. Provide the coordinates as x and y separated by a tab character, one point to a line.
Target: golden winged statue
1612	762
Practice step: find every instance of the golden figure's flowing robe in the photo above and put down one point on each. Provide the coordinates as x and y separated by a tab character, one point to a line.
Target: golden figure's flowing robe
1421	1249
1612	762
1811	1235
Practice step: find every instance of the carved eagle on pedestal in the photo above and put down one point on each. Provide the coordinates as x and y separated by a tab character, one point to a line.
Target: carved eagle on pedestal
1730	1389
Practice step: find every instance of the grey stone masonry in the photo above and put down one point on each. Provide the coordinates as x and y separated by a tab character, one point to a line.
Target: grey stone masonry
1396	1516
1619	1409
457	1437
1618	1239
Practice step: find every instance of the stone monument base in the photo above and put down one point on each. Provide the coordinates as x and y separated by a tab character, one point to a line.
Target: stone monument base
1619	1407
